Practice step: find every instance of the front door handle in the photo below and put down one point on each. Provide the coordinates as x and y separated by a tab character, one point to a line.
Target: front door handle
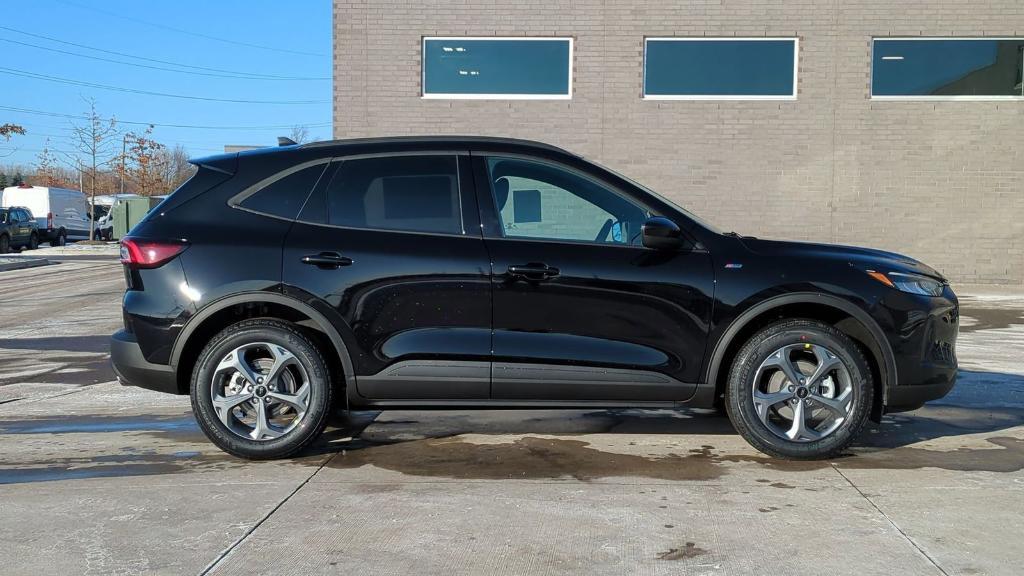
327	260
532	271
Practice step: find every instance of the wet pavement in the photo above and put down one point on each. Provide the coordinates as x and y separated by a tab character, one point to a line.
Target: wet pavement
101	479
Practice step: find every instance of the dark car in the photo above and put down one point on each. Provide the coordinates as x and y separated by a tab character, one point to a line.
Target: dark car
18	229
280	284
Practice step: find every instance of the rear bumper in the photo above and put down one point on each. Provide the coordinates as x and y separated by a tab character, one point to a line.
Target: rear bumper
132	369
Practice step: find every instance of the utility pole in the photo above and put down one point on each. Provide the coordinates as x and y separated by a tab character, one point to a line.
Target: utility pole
124	151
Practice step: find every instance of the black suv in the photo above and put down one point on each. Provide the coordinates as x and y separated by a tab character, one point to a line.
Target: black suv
280	284
18	229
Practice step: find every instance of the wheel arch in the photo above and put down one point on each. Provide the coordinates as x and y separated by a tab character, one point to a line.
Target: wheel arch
846	316
218	315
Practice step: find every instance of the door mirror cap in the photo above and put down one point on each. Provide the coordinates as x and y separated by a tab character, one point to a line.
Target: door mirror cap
660	233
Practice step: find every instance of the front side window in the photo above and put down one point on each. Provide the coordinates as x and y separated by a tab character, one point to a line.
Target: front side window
498	68
284	195
407	193
720	68
947	67
539	200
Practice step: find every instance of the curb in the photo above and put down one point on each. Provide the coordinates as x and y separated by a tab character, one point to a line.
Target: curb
22	264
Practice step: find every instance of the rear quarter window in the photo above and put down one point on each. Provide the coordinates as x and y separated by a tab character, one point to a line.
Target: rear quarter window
284	195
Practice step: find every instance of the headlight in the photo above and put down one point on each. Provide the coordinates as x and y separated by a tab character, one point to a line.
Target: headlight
912	283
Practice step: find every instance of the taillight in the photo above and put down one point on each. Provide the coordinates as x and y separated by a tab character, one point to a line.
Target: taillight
141	253
49	220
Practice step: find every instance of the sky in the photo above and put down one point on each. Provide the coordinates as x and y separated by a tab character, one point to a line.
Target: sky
230	49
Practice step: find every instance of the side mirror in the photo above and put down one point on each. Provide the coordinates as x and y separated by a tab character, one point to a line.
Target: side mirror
660	233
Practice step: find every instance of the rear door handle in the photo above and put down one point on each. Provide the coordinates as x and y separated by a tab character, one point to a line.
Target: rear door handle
327	260
532	271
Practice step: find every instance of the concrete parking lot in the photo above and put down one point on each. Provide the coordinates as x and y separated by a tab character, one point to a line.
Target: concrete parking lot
96	478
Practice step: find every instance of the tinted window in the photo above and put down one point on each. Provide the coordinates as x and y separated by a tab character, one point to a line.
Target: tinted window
935	67
284	197
24	216
454	67
413	193
717	68
4	217
540	200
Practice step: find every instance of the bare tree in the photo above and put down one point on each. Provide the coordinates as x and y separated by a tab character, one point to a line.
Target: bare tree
177	168
299	134
48	173
93	141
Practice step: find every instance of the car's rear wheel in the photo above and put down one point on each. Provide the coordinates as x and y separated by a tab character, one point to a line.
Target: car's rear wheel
33	241
60	240
799	389
261	389
5	244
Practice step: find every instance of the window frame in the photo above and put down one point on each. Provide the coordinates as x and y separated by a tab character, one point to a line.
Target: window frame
931	98
737	97
491	224
495	96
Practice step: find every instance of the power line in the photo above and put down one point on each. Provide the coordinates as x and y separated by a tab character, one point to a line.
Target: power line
233	73
59	80
191	33
189	126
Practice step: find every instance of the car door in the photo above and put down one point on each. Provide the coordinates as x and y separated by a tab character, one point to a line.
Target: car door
582	311
392	244
24	226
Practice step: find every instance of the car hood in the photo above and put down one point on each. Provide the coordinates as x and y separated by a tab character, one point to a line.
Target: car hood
867	258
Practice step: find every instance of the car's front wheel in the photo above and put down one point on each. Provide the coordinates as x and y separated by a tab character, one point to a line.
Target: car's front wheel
799	389
261	389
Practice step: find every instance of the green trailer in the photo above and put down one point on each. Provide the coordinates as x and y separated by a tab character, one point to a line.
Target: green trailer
126	213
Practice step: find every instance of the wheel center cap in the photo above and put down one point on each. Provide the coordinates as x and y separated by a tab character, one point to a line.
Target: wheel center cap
261	391
802	392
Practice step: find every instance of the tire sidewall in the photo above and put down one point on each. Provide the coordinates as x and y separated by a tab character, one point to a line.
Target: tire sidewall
293	340
739	394
5	244
33	242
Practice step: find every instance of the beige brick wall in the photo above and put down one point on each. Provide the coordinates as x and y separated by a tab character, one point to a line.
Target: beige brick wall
940	181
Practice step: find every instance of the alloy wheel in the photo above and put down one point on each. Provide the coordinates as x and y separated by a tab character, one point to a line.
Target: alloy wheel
260	391
803	392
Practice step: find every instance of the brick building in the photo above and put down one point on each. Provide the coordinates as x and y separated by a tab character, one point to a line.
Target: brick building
895	125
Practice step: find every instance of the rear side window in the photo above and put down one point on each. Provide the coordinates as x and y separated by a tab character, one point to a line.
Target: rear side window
409	193
284	196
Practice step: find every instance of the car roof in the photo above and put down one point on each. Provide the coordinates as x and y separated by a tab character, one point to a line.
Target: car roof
446	140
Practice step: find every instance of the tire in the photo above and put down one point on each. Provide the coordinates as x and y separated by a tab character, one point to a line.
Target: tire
241	341
5	244
33	241
804	345
60	240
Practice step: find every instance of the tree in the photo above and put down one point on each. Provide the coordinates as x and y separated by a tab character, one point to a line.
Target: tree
47	171
93	140
144	162
8	130
4	183
18	179
177	168
299	134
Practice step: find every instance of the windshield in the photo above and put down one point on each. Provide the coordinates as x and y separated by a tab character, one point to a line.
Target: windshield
688	214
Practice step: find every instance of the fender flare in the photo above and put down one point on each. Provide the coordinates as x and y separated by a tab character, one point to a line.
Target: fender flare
321	321
887	367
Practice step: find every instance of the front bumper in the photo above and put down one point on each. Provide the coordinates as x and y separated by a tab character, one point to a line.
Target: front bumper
924	344
132	369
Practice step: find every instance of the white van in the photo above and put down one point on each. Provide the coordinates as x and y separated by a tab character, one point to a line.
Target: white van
102	209
62	214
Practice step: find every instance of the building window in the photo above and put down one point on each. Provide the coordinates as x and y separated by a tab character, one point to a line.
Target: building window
947	68
720	68
497	68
